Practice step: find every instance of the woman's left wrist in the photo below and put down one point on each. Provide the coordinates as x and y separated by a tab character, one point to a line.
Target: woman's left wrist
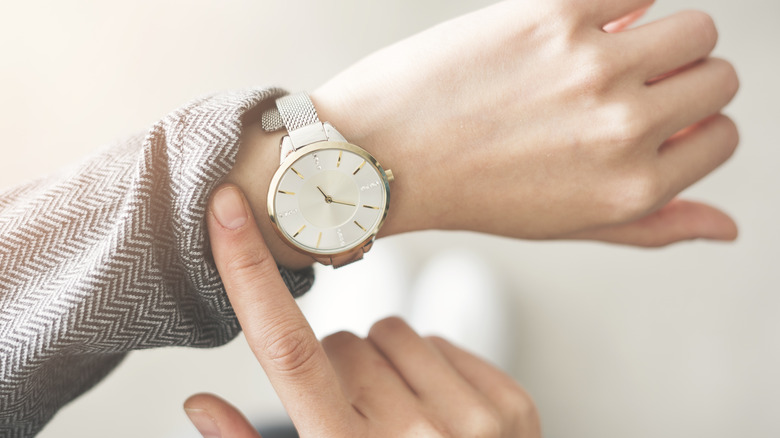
372	127
256	163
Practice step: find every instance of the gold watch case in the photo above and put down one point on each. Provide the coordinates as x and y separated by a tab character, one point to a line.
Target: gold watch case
351	252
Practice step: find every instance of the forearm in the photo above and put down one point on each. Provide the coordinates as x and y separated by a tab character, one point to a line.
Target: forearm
537	126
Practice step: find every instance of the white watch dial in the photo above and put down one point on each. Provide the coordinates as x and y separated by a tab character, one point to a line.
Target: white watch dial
330	200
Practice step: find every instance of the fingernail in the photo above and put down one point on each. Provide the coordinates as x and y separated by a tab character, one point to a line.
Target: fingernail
228	208
204	423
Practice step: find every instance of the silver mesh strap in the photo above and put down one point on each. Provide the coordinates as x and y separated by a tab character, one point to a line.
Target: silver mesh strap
296	113
292	112
271	120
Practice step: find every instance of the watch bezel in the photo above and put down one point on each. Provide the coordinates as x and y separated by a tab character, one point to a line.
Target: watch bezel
295	156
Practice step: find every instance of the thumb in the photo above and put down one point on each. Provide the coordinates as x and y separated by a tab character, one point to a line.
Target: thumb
676	221
216	418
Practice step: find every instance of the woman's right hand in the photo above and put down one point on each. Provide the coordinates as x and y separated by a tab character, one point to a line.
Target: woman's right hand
528	119
392	384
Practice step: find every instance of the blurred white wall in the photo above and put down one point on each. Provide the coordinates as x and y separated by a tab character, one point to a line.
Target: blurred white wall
611	341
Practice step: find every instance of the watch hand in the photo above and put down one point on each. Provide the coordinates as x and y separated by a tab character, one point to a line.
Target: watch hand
323	193
328	199
342	203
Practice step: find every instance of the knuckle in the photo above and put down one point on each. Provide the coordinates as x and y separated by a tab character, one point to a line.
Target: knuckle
426	427
554	7
339	340
440	343
362	395
436	340
387	327
522	405
250	264
569	13
527	415
481	421
595	69
638	194
626	124
521	408
291	350
728	76
703	28
730	135
732	132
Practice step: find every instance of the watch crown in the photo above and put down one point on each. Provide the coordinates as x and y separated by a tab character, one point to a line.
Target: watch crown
390	177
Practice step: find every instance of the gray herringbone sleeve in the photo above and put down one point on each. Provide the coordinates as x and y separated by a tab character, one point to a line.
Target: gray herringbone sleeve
111	256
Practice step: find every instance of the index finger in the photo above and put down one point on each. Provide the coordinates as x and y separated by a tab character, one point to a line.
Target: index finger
275	328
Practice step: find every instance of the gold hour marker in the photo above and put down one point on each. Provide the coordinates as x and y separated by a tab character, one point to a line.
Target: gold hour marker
338	163
299	231
296	172
371	206
318	239
361	226
359	167
286	193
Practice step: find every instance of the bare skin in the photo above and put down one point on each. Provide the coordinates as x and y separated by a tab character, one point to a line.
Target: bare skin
392	384
535	120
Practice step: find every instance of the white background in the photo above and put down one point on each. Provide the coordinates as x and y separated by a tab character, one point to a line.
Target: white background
611	341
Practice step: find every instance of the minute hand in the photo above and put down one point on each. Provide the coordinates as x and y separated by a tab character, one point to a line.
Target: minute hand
342	203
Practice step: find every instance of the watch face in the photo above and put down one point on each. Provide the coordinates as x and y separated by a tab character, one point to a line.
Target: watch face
328	198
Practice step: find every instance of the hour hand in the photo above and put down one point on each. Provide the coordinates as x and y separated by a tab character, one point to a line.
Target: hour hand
328	199
323	193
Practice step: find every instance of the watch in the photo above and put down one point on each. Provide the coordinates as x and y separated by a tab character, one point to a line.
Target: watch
329	198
